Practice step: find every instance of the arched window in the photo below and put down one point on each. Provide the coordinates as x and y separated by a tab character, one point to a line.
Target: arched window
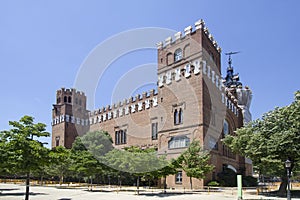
225	127
169	58
175	116
69	99
58	100
180	116
65	99
177	55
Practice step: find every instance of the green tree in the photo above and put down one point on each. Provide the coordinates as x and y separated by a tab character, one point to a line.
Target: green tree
271	140
134	160
194	161
27	154
60	162
87	154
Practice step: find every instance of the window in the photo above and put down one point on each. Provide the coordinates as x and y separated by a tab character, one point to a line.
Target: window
65	99
58	100
120	137
57	138
225	128
178	116
154	131
179	142
69	99
80	102
177	55
178	177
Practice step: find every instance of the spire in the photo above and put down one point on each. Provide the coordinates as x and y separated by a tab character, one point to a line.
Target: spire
231	79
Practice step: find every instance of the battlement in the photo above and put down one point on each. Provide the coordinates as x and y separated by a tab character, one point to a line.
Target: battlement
188	31
71	91
129	106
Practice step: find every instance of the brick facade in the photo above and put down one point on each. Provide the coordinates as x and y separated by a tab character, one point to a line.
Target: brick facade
191	102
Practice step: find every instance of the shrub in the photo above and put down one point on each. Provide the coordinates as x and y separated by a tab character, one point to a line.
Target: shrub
213	184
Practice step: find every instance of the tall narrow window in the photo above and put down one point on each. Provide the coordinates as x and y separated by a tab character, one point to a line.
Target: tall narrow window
177	55
69	99
180	116
65	99
121	135
178	177
225	128
124	137
175	116
117	141
57	138
154	131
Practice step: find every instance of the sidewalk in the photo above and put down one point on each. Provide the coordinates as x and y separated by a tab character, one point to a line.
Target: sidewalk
16	192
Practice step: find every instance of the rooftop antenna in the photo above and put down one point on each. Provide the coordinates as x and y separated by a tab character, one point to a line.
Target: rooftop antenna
229	57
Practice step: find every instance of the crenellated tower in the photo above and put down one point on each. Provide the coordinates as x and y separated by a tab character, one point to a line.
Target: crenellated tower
69	117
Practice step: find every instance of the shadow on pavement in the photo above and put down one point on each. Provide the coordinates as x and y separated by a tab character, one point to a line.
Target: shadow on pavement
162	194
8	189
21	194
294	194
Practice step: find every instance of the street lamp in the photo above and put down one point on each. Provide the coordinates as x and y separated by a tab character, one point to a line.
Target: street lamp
288	165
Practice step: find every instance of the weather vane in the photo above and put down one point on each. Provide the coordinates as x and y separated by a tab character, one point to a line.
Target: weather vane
229	56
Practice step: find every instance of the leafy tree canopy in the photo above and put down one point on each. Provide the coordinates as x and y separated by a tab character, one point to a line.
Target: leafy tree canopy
23	152
271	140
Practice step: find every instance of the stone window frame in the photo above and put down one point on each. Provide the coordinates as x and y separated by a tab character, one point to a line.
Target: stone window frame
178	177
177	110
178	55
154	128
120	136
178	142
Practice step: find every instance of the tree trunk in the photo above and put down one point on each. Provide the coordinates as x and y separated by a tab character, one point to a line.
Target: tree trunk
138	185
91	183
61	180
191	182
283	185
165	184
27	186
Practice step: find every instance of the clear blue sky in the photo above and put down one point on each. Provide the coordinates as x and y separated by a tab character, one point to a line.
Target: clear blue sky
44	43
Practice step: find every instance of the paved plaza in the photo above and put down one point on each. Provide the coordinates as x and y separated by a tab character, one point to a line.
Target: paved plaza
16	192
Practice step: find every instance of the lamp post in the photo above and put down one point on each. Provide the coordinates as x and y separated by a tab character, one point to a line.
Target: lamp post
288	165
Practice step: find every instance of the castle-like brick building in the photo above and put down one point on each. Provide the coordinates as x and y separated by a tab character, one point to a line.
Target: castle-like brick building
192	101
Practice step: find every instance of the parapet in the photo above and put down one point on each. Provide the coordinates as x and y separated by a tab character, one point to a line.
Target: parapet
128	106
199	26
70	91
